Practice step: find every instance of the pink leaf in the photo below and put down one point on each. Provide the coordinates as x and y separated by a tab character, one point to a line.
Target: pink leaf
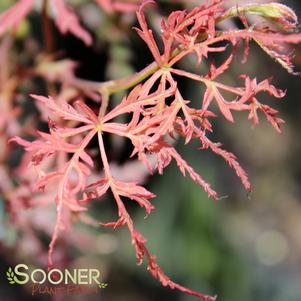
146	34
67	21
63	110
15	14
136	193
230	159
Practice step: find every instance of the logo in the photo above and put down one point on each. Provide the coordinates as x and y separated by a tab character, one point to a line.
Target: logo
10	276
54	281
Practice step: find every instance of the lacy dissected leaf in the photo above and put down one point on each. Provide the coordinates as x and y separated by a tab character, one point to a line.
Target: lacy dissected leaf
139	242
146	34
229	158
66	111
136	193
245	97
183	28
70	175
165	153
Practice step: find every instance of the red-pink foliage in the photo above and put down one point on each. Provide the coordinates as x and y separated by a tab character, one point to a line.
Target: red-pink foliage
119	5
158	112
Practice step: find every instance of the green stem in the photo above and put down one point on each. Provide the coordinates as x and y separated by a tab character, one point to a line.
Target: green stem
118	85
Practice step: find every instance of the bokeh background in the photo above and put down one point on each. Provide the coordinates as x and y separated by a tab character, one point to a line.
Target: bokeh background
242	248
